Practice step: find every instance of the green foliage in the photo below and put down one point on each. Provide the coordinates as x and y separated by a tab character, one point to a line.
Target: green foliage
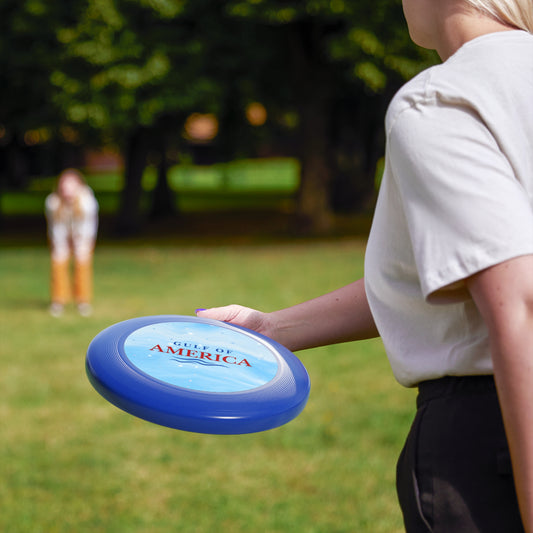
130	72
28	50
283	12
139	59
110	64
368	39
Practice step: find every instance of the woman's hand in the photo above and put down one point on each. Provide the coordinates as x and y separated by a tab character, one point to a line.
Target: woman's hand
339	316
240	316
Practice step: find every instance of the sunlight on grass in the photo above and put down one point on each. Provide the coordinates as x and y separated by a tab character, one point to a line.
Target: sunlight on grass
245	183
72	462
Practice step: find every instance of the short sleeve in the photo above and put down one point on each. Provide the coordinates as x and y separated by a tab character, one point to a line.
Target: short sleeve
464	206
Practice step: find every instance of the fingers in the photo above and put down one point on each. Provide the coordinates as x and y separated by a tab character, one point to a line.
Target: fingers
238	315
228	313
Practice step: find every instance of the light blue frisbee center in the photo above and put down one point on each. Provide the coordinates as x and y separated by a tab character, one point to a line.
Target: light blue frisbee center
202	357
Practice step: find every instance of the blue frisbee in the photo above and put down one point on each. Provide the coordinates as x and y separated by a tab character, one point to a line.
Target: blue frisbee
197	374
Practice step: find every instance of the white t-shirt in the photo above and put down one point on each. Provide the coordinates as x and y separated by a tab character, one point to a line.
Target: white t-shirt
456	198
72	228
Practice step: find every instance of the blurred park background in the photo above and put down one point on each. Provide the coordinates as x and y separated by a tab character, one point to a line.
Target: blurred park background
122	89
235	149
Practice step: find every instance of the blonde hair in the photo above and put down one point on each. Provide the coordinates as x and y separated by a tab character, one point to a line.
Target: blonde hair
515	13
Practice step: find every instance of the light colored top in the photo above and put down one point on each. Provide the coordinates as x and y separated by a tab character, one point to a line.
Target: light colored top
456	198
72	228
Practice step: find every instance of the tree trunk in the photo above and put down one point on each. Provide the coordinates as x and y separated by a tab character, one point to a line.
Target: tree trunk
314	212
163	199
312	82
357	137
129	220
17	164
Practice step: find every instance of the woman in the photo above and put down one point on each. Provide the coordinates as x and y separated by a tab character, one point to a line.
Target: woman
72	217
448	272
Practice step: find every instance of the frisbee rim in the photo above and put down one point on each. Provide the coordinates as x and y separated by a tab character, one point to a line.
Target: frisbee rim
116	378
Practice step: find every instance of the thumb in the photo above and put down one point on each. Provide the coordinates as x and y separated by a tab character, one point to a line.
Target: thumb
226	313
235	314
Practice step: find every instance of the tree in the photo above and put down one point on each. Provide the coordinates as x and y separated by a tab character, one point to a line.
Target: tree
28	52
135	69
119	77
131	71
335	64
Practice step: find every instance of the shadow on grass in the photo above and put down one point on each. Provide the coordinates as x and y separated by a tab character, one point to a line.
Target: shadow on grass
24	304
199	228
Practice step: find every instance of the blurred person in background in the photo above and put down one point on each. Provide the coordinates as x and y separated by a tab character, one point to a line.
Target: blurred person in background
72	219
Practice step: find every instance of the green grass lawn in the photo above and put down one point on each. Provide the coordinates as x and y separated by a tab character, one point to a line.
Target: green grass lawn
71	462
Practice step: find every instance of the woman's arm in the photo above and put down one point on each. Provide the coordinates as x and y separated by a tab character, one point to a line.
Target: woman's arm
504	296
339	316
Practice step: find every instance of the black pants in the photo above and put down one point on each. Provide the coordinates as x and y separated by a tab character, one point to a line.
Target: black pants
454	473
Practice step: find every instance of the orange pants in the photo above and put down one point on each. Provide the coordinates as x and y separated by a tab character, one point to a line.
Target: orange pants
61	288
